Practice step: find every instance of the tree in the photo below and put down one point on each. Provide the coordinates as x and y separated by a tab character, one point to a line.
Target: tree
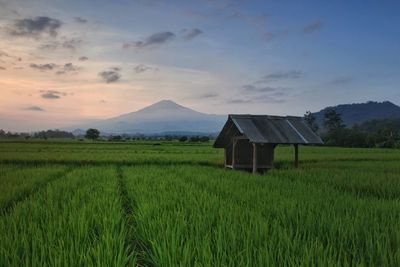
335	134
204	139
183	139
92	134
310	120
116	138
53	134
332	120
194	139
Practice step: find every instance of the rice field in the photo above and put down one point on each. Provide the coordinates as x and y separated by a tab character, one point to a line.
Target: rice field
173	204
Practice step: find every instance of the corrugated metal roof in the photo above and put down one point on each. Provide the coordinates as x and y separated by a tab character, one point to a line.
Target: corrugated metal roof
267	129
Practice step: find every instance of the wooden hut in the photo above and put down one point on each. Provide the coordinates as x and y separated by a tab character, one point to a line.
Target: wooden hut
249	141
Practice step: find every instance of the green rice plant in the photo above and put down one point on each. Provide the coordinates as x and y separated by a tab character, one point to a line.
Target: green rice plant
75	221
202	216
173	204
16	183
6	168
106	153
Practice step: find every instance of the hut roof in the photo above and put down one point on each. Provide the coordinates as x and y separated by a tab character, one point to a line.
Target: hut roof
267	129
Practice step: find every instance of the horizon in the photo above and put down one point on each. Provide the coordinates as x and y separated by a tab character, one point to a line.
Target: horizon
69	128
69	62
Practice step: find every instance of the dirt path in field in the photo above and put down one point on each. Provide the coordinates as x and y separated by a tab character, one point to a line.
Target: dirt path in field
133	244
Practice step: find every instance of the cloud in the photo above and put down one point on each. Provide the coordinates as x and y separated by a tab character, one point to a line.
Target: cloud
51	94
43	67
71	44
71	67
237	101
68	68
63	69
83	58
255	20
80	20
111	75
34	108
143	68
156	39
268	99
195	14
35	27
4	54
7	55
208	95
268	36
253	93
253	88
161	38
2	68
15	12
266	91
281	75
256	94
314	26
190	34
342	80
115	68
257	99
50	46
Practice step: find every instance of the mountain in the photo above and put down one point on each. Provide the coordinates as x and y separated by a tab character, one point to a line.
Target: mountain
358	113
165	116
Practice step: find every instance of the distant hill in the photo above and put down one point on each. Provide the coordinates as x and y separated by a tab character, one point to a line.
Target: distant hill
359	113
162	117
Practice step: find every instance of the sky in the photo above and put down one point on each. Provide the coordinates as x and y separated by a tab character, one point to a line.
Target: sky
67	62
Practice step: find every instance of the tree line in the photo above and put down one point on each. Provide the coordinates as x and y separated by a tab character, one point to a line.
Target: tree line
94	134
39	135
383	133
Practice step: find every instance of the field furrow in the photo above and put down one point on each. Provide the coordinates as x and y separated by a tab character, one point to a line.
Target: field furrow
133	244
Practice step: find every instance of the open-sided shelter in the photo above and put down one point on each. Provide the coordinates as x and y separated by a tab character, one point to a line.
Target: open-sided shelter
249	141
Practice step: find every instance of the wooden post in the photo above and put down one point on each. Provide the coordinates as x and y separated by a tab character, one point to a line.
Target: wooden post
254	158
225	157
296	155
234	153
273	154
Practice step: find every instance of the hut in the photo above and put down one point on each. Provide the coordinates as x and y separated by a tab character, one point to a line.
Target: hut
249	141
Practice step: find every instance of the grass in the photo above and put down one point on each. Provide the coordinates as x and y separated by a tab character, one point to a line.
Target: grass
172	204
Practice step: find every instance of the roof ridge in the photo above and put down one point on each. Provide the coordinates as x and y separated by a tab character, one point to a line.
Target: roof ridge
265	116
